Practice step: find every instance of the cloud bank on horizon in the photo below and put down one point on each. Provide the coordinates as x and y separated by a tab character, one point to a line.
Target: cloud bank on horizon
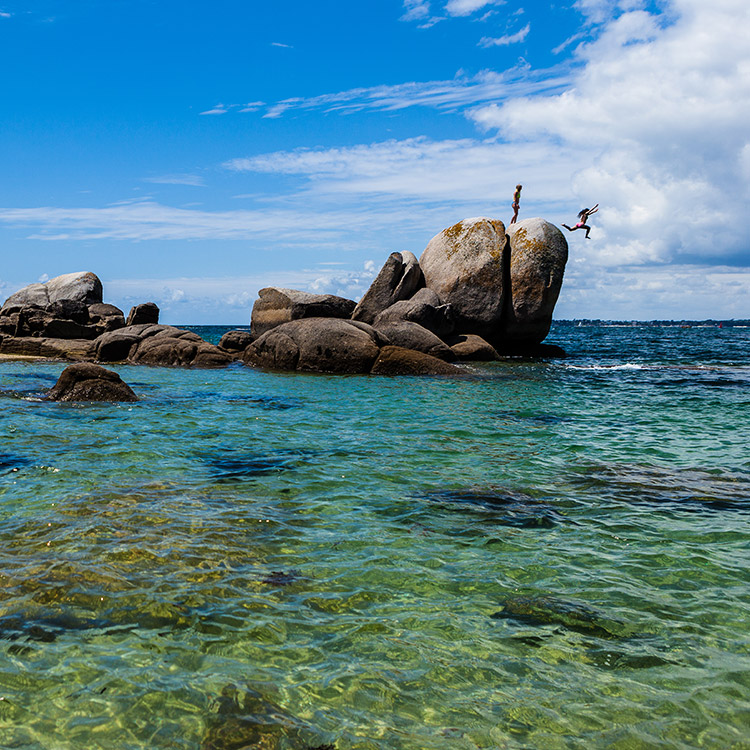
639	107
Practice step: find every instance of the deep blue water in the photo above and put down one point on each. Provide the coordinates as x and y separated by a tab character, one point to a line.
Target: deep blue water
552	554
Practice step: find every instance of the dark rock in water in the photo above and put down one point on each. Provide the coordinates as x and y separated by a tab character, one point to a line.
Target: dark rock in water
12	462
276	306
531	351
395	360
245	720
89	382
316	345
280	578
398	280
468	347
230	465
165	346
235	341
607	659
572	615
508	509
148	312
413	336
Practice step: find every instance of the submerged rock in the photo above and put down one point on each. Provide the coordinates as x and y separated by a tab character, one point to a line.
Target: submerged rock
506	508
572	615
89	382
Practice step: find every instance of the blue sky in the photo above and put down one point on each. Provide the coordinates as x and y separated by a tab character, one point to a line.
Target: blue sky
191	154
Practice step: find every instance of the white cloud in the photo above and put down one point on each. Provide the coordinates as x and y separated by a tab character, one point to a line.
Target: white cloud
194	180
279	44
219	109
416	10
3	14
454	94
467	7
656	124
503	41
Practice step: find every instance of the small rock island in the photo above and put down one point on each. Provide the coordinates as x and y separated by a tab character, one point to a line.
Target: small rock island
479	291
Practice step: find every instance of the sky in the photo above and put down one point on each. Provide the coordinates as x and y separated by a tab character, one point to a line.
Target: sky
190	153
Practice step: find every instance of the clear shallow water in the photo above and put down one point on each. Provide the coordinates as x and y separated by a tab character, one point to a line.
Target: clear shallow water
551	555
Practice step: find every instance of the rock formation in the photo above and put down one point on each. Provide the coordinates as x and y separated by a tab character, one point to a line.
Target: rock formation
87	382
66	319
399	278
275	306
465	265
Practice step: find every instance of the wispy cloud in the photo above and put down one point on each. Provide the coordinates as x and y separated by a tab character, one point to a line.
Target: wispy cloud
467	7
4	14
280	44
416	10
177	179
458	93
218	109
503	41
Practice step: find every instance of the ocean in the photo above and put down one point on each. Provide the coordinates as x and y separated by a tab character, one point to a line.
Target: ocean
549	554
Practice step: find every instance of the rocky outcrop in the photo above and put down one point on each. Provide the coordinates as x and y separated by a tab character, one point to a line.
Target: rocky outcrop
469	347
148	312
235	341
316	345
276	306
160	345
395	360
82	287
465	265
107	317
424	308
538	254
66	349
413	336
88	382
399	279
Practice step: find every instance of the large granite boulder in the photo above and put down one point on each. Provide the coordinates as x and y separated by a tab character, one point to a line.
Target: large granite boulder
398	280
148	312
413	336
82	286
89	382
71	349
538	254
424	308
465	265
395	360
106	317
276	306
159	345
317	345
63	319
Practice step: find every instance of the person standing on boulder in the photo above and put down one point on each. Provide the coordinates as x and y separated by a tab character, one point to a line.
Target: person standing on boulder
583	215
516	203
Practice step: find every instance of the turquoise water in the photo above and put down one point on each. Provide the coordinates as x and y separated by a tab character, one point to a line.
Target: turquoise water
547	555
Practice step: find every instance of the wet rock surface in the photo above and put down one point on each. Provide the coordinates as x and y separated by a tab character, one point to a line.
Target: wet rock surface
395	360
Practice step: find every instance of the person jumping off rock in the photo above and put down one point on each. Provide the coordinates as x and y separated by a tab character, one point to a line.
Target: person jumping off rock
583	215
516	203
